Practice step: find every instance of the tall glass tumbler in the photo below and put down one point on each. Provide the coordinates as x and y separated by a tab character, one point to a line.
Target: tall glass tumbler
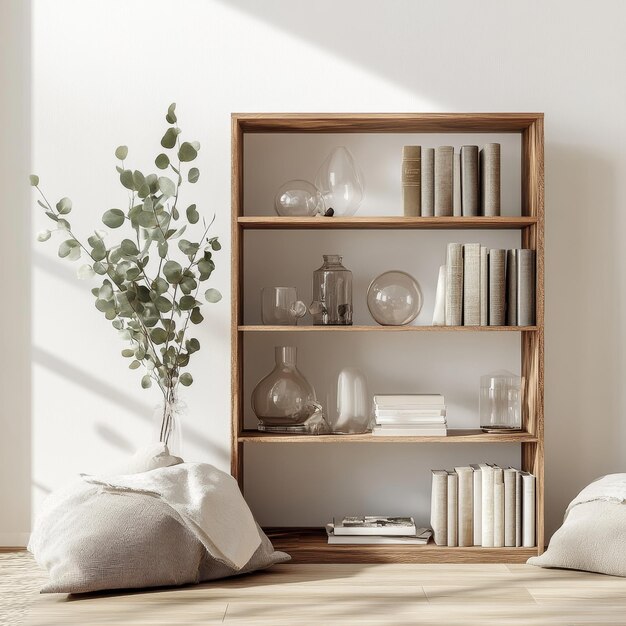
281	307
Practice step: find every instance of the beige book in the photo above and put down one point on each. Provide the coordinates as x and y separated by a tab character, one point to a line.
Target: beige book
511	287
457	206
510	477
454	285
412	180
439	507
518	509
443	180
477	497
428	182
465	478
471	284
484	286
490	179
453	511
528	510
526	278
497	287
439	313
487	505
498	514
469	180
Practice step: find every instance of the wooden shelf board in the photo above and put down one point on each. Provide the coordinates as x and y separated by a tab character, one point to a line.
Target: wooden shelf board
309	545
260	328
432	223
454	436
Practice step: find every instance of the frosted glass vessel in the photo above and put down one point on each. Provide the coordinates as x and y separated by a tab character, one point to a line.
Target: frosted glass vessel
349	406
394	298
298	198
340	182
501	401
332	293
280	306
284	401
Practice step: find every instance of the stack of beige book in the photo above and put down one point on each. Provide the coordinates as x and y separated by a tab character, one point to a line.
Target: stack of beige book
410	415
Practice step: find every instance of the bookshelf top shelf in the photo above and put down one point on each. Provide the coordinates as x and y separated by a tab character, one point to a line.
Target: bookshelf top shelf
432	223
261	328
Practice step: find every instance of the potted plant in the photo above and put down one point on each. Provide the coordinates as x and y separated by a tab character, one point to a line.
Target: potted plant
151	276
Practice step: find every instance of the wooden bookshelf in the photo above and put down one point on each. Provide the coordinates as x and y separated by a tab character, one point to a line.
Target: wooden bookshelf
309	545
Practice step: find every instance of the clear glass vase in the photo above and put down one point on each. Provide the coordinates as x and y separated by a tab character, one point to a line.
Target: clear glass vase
167	419
284	401
332	293
340	182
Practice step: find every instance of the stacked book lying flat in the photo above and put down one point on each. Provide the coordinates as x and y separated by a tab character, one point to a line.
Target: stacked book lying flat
410	415
377	529
441	182
479	286
483	505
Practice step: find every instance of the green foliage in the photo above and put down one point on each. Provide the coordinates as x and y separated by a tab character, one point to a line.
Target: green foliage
149	296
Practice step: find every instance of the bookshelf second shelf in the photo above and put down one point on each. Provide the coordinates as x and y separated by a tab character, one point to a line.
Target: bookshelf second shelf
260	328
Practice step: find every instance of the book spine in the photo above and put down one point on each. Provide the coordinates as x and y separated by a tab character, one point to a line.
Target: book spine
443	181
526	278
439	314
497	288
487	506
465	478
484	286
477	504
412	180
510	476
454	285
457	206
511	287
428	182
471	284
528	510
439	507
469	180
490	179
498	514
453	509
518	510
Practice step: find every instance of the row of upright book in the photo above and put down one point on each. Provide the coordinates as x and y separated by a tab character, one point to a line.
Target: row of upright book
410	415
483	505
440	182
479	286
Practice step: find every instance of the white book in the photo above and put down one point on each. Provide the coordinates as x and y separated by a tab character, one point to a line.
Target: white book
484	286
418	431
498	507
439	507
510	477
454	284
375	525
466	505
417	400
471	284
511	287
434	412
457	203
428	182
411	422
528	510
443	180
421	538
425	425
477	504
453	511
487	505
439	312
518	510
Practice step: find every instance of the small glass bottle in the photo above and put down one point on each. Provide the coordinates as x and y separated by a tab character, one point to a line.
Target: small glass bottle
332	293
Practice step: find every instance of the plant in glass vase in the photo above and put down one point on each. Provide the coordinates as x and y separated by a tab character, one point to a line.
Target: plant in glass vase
150	279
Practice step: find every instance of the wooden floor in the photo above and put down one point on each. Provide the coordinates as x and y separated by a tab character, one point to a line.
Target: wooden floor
313	595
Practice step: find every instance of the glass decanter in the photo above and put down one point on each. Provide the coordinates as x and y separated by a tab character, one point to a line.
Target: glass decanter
284	401
332	293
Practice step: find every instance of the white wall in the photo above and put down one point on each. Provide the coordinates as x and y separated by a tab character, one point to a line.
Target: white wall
104	71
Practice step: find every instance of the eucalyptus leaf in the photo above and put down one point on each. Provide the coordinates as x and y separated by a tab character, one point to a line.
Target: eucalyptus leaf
129	248
171	115
163	305
128	352
192	214
99	268
187	152
146	382
121	152
167	186
162	161
193	345
162	248
134	365
172	271
169	138
126	178
64	206
138	179
158	336
84	272
193	175
113	218
147	219
43	235
212	295
106	291
186	379
66	247
160	286
63	224
99	251
34	180
188	248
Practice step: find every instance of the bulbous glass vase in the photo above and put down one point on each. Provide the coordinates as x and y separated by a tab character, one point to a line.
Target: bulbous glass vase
340	182
394	298
284	401
298	198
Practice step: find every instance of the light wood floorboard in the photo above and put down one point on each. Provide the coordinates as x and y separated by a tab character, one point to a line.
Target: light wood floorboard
332	595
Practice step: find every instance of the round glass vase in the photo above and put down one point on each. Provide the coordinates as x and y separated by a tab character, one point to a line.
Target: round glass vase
284	401
168	422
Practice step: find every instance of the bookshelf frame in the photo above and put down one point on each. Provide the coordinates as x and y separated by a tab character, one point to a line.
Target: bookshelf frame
309	545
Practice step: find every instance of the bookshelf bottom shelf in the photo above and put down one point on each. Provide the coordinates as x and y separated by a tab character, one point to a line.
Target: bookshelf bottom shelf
309	545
